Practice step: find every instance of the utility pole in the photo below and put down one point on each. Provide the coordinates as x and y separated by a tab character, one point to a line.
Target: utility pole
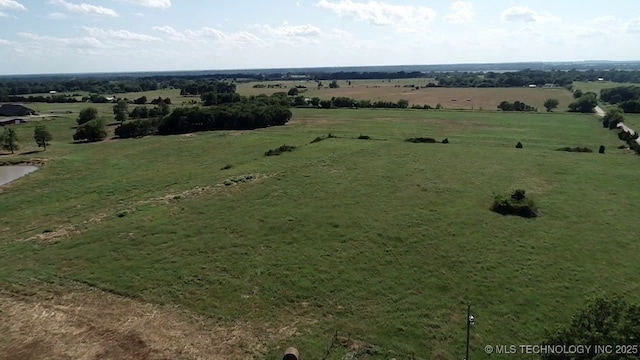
470	322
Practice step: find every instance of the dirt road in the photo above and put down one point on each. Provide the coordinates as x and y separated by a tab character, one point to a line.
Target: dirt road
621	126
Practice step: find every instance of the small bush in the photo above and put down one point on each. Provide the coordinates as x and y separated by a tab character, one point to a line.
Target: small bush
364	137
519	145
575	149
622	147
445	141
227	167
515	204
601	150
320	138
417	140
280	150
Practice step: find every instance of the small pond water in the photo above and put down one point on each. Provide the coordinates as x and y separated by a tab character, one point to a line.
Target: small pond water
10	173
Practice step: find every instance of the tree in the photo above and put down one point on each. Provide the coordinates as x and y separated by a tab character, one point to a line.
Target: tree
87	115
403	104
120	111
334	85
10	140
163	108
42	136
94	130
140	101
603	321
315	101
208	99
293	91
551	104
584	104
577	94
612	118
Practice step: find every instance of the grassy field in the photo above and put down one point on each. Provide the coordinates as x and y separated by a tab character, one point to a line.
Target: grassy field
449	98
595	87
382	240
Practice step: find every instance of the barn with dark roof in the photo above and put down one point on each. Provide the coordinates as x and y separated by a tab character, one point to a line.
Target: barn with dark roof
15	110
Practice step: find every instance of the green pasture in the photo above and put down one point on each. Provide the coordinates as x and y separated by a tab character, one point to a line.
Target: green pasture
381	240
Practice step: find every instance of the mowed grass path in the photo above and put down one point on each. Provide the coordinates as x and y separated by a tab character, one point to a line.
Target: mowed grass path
381	239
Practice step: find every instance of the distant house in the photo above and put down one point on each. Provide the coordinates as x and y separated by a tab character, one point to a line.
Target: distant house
12	122
533	86
53	92
15	110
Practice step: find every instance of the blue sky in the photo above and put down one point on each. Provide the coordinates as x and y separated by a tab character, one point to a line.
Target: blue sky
66	36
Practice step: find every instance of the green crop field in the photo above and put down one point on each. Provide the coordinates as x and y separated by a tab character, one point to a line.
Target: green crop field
381	240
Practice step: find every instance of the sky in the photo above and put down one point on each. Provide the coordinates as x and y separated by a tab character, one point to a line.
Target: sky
77	36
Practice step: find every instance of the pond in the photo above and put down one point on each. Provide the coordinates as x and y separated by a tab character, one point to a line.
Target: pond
10	173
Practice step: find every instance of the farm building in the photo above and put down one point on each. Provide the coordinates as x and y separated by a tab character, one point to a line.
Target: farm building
12	122
15	110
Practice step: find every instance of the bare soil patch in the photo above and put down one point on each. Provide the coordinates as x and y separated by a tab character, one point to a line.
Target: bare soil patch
85	324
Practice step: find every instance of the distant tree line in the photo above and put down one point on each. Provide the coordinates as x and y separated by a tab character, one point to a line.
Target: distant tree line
197	85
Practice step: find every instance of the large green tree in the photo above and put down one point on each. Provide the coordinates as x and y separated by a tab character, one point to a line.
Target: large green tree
9	140
120	111
551	104
42	136
612	118
604	321
87	115
585	104
94	130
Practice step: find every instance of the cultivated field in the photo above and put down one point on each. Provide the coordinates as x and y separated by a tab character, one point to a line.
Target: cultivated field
143	249
449	98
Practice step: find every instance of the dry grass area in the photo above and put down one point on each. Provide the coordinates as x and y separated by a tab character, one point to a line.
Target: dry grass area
450	98
83	323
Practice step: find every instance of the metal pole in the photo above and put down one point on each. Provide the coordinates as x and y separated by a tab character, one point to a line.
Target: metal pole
468	329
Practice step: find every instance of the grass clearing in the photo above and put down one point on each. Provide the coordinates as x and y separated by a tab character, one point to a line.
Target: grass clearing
383	241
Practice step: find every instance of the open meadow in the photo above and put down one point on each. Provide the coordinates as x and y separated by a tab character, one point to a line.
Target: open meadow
394	90
199	246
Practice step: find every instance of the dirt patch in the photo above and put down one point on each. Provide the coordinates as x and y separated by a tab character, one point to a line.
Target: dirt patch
84	323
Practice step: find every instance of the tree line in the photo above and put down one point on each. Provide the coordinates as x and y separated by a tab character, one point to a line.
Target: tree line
248	113
199	84
626	97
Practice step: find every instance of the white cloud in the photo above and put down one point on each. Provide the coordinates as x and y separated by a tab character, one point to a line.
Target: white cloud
633	26
380	13
56	16
5	42
161	4
3	14
524	14
83	8
80	42
119	35
290	31
12	5
461	12
207	34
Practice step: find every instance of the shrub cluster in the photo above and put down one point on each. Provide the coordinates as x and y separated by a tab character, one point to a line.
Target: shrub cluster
137	128
320	138
575	149
280	150
515	106
364	137
515	204
423	140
